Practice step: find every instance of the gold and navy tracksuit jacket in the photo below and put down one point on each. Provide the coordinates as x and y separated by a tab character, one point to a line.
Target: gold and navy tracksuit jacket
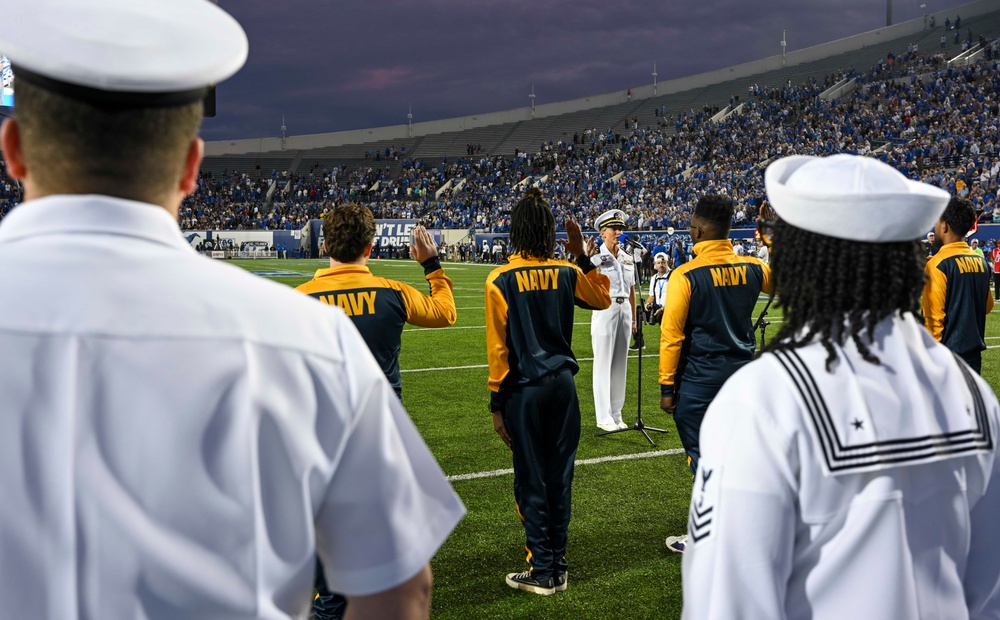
380	307
706	333
957	298
529	319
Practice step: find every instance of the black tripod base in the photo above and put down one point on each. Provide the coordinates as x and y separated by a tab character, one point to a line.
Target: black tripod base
637	426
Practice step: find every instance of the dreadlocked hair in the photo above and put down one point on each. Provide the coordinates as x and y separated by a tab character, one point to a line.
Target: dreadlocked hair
532	226
838	289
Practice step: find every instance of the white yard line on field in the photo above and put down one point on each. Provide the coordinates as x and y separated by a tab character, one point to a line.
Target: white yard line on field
579	359
602	459
438	329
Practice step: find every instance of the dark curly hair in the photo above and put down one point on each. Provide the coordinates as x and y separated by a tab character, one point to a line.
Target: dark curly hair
838	289
347	230
532	226
716	209
960	215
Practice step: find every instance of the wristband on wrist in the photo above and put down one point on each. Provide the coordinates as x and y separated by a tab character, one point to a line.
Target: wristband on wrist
431	265
584	263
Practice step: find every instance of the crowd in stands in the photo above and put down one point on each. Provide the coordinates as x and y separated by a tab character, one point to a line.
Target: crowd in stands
932	121
10	193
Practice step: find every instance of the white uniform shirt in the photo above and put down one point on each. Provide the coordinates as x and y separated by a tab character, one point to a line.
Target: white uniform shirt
764	254
174	430
619	269
658	287
864	495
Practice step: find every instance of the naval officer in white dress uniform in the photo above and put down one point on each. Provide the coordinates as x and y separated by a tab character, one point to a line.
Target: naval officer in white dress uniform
610	329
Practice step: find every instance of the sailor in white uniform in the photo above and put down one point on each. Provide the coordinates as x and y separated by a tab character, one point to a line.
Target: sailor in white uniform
178	437
851	471
610	329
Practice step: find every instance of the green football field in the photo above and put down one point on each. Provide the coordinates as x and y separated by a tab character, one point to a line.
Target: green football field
627	495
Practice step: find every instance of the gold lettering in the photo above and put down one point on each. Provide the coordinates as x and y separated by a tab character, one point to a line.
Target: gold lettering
553	278
522	281
537	279
352	304
729	276
368	298
717	277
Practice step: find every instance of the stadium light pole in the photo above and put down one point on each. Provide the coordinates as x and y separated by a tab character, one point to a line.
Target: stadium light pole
924	7
283	130
532	97
409	121
654	77
783	44
888	12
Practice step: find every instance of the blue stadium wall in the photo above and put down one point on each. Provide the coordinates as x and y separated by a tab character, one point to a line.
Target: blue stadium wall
398	232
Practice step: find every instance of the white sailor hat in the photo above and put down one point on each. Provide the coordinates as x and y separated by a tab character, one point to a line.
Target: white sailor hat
852	197
614	217
122	53
660	255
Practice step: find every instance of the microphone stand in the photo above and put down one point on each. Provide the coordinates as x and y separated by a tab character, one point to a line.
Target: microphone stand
761	323
638	425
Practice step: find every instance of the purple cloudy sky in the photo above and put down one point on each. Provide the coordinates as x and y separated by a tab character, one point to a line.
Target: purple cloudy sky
332	66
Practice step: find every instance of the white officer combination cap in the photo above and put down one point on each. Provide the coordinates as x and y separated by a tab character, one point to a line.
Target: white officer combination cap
614	217
122	53
660	256
852	197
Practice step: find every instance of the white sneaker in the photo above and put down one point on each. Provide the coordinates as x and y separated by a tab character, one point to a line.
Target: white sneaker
676	543
611	426
622	426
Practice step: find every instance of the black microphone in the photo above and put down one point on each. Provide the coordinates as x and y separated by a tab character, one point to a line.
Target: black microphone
631	242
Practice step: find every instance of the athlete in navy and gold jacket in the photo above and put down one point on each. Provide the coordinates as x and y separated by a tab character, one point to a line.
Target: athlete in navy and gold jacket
706	333
529	331
379	308
529	319
956	296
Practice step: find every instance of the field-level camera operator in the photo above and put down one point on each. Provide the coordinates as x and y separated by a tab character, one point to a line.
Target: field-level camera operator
657	288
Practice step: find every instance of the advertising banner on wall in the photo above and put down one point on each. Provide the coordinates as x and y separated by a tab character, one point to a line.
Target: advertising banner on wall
388	234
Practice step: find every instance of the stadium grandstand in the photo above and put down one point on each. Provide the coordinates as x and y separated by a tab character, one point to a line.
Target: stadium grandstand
925	101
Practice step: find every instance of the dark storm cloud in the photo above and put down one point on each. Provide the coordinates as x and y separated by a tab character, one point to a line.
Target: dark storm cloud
336	66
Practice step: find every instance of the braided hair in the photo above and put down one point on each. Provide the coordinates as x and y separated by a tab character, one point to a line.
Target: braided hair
532	226
838	289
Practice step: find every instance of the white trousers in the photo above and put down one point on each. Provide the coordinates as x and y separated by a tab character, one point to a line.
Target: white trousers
609	332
